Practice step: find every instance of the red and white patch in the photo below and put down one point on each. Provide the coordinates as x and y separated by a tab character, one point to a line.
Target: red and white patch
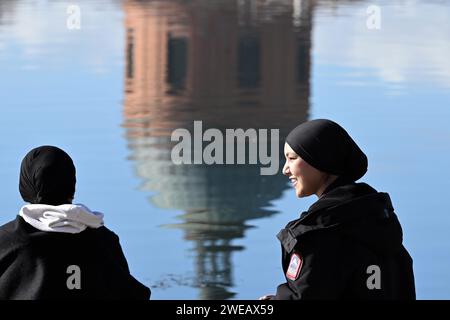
295	266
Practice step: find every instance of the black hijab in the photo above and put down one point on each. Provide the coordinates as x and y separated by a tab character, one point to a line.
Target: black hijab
326	146
47	176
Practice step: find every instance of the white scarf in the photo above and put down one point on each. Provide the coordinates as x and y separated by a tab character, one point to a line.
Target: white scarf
66	218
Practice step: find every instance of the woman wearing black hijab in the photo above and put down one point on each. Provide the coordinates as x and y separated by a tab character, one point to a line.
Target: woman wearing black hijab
58	250
348	245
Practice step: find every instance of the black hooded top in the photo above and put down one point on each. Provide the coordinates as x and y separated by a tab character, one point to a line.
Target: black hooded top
331	251
36	264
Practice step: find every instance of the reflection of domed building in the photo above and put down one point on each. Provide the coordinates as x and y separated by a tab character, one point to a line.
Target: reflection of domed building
232	64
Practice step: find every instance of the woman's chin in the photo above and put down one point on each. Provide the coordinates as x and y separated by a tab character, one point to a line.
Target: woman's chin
301	193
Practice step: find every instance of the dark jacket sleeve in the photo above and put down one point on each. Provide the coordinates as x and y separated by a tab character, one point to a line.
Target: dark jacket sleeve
323	273
117	253
131	287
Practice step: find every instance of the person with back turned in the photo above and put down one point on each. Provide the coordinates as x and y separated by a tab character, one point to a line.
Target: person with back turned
348	244
58	250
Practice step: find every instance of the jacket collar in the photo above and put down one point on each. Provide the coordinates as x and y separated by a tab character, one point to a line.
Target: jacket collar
345	203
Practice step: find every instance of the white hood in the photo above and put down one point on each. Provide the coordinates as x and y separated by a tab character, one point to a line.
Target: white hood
66	218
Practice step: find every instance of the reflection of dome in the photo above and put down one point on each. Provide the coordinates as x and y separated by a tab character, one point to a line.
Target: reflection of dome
209	193
230	64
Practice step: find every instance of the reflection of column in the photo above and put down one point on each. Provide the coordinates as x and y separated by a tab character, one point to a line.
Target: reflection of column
215	62
214	267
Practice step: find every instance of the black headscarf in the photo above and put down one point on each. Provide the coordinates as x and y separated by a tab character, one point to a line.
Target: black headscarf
326	146
47	176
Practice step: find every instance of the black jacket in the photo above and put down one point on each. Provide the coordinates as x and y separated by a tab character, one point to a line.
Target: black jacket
348	245
36	265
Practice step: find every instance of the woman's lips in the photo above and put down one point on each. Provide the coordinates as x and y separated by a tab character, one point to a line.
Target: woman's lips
293	181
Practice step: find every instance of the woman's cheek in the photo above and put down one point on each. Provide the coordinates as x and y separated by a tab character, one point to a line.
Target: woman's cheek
296	169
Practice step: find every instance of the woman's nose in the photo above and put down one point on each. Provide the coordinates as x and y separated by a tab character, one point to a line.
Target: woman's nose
286	170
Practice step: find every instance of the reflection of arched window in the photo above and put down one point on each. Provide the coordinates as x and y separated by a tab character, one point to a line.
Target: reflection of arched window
130	54
177	61
249	61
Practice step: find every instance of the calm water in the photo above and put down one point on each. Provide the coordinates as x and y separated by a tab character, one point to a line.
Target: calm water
112	92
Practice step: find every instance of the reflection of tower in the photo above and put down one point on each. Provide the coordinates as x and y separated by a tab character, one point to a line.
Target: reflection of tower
232	64
6	11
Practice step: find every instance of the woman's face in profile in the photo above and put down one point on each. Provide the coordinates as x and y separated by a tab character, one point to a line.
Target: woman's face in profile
305	179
